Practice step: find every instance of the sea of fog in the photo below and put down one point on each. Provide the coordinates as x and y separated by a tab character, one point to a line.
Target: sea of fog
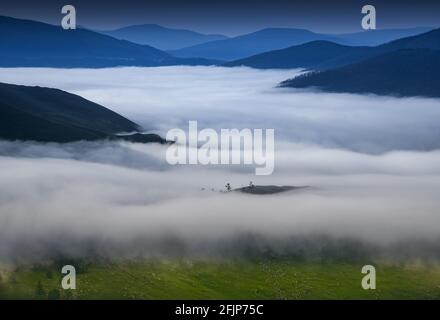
372	164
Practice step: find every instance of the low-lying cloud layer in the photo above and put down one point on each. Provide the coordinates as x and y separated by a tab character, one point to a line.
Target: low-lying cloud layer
168	97
119	198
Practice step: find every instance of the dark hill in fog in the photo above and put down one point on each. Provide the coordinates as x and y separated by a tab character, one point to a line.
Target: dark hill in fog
44	114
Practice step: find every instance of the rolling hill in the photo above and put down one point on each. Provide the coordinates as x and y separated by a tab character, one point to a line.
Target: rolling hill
380	36
321	55
251	44
161	37
309	55
44	114
409	72
25	43
280	38
427	40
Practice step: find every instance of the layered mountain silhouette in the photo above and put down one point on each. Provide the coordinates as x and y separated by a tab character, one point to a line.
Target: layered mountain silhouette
250	44
52	115
380	36
161	37
427	40
407	72
311	55
404	67
280	38
25	43
321	55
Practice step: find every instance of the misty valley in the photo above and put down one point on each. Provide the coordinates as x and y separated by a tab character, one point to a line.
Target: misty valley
279	164
355	183
222	154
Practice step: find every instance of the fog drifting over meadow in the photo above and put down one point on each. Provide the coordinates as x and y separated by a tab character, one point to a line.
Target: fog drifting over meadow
372	164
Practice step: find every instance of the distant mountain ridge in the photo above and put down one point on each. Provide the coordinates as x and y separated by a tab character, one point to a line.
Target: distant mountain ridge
161	37
309	55
250	44
25	43
404	67
322	55
380	36
270	39
52	115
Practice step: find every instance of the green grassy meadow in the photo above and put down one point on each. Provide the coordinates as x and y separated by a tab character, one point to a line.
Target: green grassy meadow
230	279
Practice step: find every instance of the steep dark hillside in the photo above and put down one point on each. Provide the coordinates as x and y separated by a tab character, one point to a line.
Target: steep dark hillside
43	114
413	72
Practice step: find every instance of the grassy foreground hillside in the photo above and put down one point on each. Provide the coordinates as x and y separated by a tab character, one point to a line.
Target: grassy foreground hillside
181	279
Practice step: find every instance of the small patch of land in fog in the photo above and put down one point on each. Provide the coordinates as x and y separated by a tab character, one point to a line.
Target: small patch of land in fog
271	189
